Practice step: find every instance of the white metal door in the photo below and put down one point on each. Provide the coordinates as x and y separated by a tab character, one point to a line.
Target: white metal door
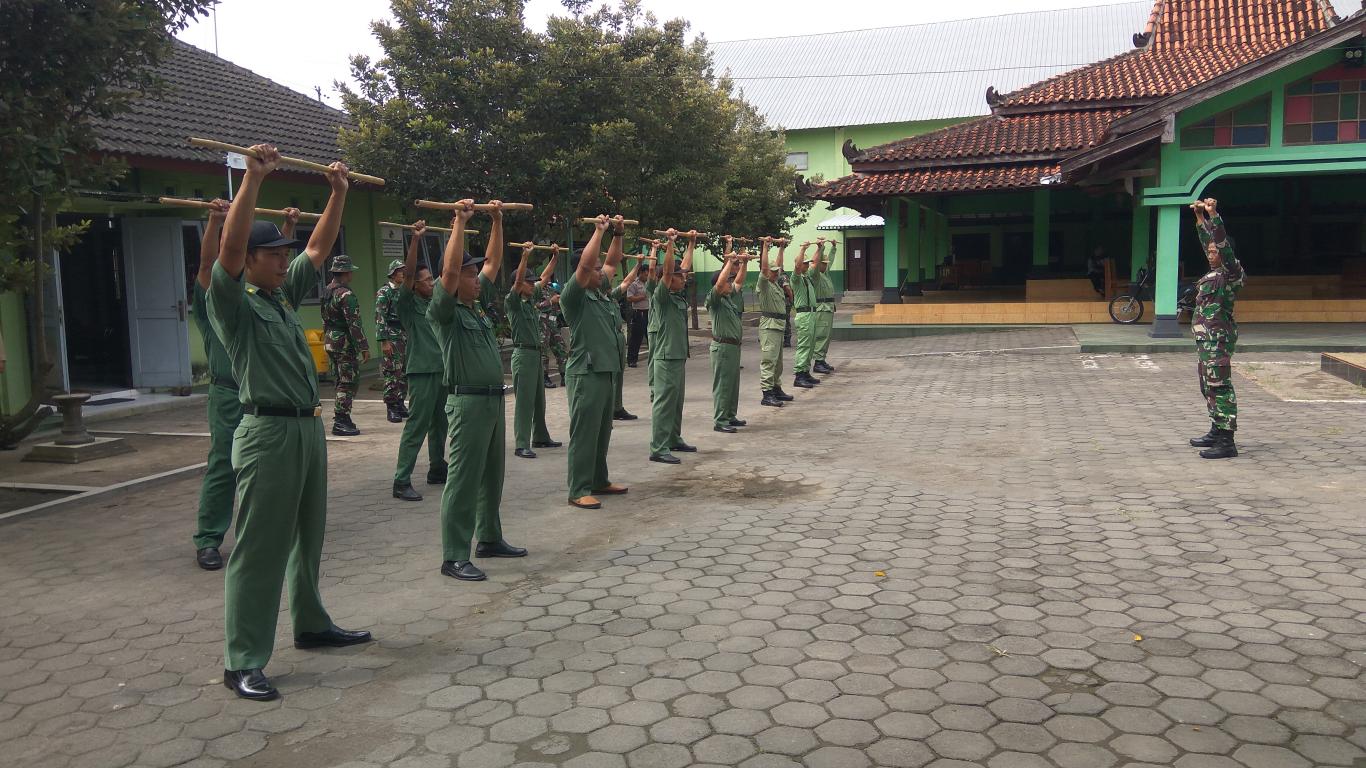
54	325
158	331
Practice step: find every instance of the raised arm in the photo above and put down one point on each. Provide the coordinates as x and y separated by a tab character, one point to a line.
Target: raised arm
410	259
325	231
686	266
723	278
820	253
765	268
800	267
291	222
232	254
588	261
631	276
208	246
615	252
782	248
549	270
741	271
669	253
493	254
523	267
454	256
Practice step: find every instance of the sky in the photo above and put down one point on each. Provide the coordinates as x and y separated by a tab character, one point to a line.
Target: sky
321	35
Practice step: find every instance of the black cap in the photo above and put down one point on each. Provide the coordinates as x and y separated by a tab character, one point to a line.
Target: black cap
264	234
471	260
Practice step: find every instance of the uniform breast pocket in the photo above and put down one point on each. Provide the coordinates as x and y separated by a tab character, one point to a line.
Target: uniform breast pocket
270	327
471	324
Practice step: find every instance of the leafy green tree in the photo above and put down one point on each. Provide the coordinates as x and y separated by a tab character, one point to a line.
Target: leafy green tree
64	66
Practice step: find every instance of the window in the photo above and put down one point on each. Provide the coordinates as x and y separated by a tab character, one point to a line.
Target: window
798	161
1248	125
302	233
1326	108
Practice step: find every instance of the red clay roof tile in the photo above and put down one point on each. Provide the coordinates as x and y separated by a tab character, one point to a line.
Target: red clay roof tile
971	178
1002	135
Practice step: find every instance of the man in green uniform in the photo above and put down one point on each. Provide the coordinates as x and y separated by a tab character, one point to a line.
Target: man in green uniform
594	364
725	340
618	294
344	340
671	358
1216	331
824	324
528	383
427	419
278	453
473	375
393	342
804	305
772	323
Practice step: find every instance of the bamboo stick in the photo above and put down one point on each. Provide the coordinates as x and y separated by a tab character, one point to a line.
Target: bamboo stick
410	227
293	162
181	202
535	247
610	220
682	233
440	206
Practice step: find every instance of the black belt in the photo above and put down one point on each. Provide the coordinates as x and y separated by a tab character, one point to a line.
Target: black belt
494	391
801	311
774	315
826	300
732	342
225	383
533	347
287	413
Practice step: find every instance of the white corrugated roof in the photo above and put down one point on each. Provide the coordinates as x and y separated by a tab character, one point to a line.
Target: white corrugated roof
923	71
851	221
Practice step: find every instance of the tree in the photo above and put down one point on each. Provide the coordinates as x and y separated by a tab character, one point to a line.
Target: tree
63	67
611	112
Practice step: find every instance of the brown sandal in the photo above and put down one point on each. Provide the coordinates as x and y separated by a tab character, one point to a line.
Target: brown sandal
586	502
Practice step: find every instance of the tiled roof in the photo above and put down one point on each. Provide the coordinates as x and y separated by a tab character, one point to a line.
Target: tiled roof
995	135
214	99
1213	23
968	178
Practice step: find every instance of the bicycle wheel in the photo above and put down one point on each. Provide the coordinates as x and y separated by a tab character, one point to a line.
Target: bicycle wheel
1126	310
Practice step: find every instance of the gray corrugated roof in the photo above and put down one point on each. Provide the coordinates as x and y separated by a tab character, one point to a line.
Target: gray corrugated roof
841	78
213	98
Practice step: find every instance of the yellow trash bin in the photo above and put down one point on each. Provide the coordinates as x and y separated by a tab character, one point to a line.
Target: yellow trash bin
315	344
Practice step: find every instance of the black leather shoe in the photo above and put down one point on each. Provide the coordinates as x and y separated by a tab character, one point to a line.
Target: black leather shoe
666	458
546	444
727	429
436	476
781	395
684	448
497	548
801	381
344	427
463	570
406	492
624	415
738	423
209	558
333	637
1206	440
524	453
250	684
771	400
394	415
549	384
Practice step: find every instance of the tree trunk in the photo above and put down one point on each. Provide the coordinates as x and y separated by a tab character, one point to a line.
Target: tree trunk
26	419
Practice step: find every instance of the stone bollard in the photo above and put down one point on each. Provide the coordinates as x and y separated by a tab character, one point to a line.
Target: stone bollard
73	422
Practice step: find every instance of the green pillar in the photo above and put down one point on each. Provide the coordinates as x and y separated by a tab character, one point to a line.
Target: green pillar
891	251
914	251
1041	227
1165	325
1140	239
928	247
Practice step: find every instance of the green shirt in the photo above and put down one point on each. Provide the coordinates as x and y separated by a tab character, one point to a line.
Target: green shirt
617	295
803	291
772	300
220	367
823	291
672	309
652	322
424	351
738	299
469	350
264	339
592	317
524	319
725	318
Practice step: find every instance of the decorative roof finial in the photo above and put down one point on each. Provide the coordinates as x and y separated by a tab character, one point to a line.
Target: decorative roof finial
994	97
850	151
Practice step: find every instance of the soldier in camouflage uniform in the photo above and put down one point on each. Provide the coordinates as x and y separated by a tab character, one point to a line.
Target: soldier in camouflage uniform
552	341
344	340
1216	332
393	343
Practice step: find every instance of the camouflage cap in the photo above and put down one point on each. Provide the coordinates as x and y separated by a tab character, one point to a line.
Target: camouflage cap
342	264
395	266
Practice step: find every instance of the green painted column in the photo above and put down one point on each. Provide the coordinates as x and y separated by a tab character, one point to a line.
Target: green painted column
1140	239
927	245
914	251
1165	325
1042	204
892	235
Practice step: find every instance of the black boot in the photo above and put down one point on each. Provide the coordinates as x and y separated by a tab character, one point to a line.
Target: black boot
1223	447
803	381
1206	440
393	414
781	395
548	383
436	475
343	426
823	367
406	492
403	410
770	400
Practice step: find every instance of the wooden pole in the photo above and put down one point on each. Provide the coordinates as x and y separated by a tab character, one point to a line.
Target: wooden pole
628	222
533	246
410	227
293	162
440	206
682	233
185	203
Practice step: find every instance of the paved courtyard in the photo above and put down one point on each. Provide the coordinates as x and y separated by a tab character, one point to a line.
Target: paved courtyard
942	556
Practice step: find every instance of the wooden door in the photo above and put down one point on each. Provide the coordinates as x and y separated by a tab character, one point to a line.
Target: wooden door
874	281
856	264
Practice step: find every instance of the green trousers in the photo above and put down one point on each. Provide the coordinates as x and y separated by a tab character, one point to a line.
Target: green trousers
219	486
528	383
621	375
825	326
666	421
651	336
770	357
281	466
426	421
725	382
806	342
590	431
474	486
